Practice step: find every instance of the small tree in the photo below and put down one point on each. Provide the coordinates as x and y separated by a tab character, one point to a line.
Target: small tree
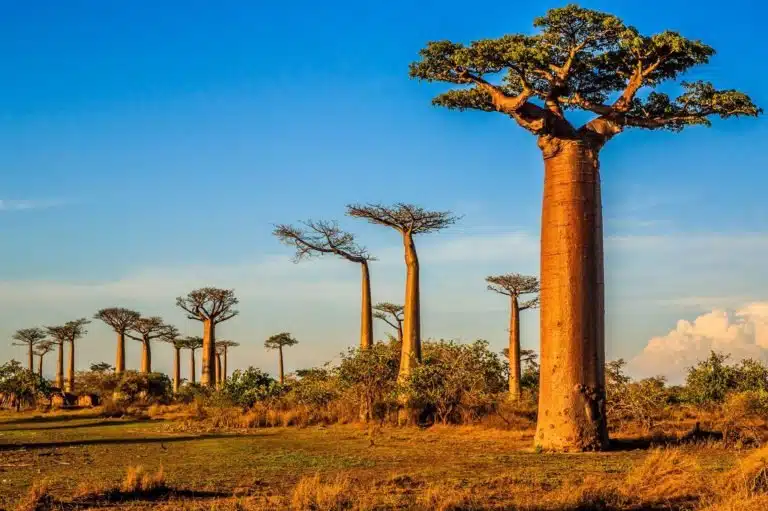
320	238
408	220
29	337
67	333
121	320
392	315
101	367
710	380
224	347
210	306
19	386
278	342
192	344
41	350
145	330
514	285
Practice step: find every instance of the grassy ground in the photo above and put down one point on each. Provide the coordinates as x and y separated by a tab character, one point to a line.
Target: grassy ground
76	451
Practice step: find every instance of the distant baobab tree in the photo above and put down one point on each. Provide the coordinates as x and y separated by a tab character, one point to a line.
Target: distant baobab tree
145	330
224	347
192	344
210	306
69	332
121	320
41	350
514	285
29	337
278	342
591	61
391	314
318	238
408	220
218	366
172	337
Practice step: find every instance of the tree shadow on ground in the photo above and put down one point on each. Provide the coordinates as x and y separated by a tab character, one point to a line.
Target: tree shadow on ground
98	424
116	496
52	418
695	436
111	441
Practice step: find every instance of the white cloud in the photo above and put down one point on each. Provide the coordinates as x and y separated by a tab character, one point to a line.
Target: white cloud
742	333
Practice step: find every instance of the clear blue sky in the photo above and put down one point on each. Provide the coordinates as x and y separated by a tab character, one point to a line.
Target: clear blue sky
155	143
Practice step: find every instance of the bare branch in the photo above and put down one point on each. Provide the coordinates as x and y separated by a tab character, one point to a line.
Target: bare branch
513	284
209	304
119	318
406	218
321	237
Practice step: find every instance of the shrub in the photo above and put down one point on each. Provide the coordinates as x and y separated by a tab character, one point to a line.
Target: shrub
315	388
245	388
101	383
21	387
369	377
710	380
643	401
148	387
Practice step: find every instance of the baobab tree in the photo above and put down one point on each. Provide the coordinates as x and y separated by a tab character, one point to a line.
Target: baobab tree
591	61
121	320
515	285
171	336
408	220
391	314
218	366
319	238
29	337
224	347
192	344
69	332
145	330
41	350
210	306
278	342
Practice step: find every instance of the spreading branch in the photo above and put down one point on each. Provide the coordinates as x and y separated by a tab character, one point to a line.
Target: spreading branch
514	285
148	329
321	237
29	337
280	340
209	304
406	218
390	313
119	318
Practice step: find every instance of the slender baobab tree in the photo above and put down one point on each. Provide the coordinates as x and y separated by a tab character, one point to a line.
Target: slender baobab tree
29	337
41	350
57	336
224	347
145	330
514	285
391	314
192	344
408	220
278	342
210	306
68	333
591	61
218	366
319	238
172	337
121	320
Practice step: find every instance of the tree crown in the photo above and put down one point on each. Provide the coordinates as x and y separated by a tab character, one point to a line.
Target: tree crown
29	336
69	331
147	329
119	318
406	218
45	347
385	310
225	345
192	343
584	59
279	340
209	304
514	284
321	237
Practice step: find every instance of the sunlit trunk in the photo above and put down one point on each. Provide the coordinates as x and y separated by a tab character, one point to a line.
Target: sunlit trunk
176	369
224	370
60	367
282	375
120	358
572	387
192	367
366	320
71	368
146	357
208	376
218	370
31	359
515	389
411	350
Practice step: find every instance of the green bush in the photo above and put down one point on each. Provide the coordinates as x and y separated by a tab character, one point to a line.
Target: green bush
21	387
315	388
370	377
146	387
97	382
245	388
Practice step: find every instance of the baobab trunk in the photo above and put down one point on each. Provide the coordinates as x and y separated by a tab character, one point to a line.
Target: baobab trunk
515	389
176	369
218	370
208	376
572	386
60	367
40	365
411	351
366	320
282	376
146	358
224	370
192	366
31	359
71	368
120	358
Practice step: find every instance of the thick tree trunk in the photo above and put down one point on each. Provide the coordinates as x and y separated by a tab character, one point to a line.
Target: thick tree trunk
71	368
572	386
192	367
218	370
60	367
40	366
146	357
120	358
208	376
366	320
282	375
411	350
176	369
515	389
31	359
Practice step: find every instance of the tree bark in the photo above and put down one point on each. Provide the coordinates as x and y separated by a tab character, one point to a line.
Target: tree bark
176	369
31	359
146	357
40	365
366	320
572	386
282	375
120	358
224	371
60	367
515	390
192	367
218	370
71	368
411	350
208	376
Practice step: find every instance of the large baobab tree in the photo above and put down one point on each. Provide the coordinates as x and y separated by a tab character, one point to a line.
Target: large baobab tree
41	350
29	337
590	61
278	342
121	320
319	238
224	347
391	314
145	330
172	337
192	344
515	285
210	306
68	333
408	220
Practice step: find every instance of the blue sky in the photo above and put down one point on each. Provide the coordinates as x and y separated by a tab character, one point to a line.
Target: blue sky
150	147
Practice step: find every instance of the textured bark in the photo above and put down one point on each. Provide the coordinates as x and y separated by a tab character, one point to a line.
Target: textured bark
366	320
120	358
31	359
71	368
282	375
60	366
515	389
40	365
192	367
218	370
176	369
146	357
208	376
572	387
224	369
411	350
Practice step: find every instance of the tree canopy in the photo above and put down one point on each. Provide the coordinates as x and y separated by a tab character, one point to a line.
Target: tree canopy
280	340
385	310
29	337
580	59
321	237
147	329
192	343
119	318
209	304
514	284
69	331
406	218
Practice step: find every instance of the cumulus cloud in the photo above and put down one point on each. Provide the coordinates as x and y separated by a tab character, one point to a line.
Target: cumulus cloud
743	333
